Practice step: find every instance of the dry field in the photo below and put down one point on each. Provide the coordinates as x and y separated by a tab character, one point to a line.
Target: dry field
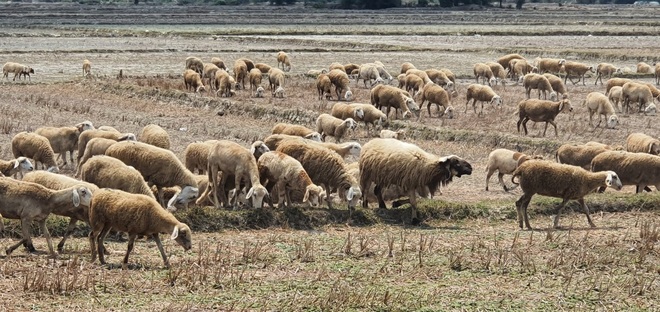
467	255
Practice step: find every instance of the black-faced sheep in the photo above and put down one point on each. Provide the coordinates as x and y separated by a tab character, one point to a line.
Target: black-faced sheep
64	139
605	70
284	172
541	110
297	130
15	166
643	68
388	162
37	147
561	181
341	82
327	124
283	59
639	169
633	92
389	96
435	94
16	69
579	155
193	81
504	161
481	93
154	135
195	64
255	78
598	103
539	82
86	68
642	143
575	69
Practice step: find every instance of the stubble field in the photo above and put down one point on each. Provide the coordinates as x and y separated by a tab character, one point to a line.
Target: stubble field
469	253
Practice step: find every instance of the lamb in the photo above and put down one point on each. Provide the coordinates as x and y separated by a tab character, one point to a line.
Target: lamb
642	143
558	86
598	103
254	78
481	93
389	96
578	155
224	84
275	78
109	172
326	125
32	145
219	63
372	115
288	175
636	92
193	81
550	65
86	136
154	135
498	72
541	110
505	60
413	84
616	96
422	74
240	73
159	167
504	161
344	111
283	58
561	181
341	82
64	139
195	64
279	92
231	159
390	162
440	78
324	86
15	166
483	71
263	68
297	130
613	82
209	74
260	92
29	202
134	214
639	169
605	70
643	68
576	69
325	168
86	68
539	82
435	94
406	66
389	134
369	72
58	182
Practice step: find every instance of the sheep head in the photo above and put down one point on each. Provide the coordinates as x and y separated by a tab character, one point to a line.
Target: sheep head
553	96
564	105
314	136
186	195
359	113
313	195
650	110
350	123
53	169
352	195
348	95
456	166
257	193
81	196
496	101
85	125
23	164
449	112
612	121
654	148
354	148
260	92
258	148
612	180
182	236
200	89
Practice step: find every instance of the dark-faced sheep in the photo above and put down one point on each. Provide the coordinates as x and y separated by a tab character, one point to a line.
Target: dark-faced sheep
541	111
643	68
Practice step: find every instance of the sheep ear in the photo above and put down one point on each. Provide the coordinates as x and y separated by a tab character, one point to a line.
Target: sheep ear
76	198
350	194
561	105
306	197
175	233
170	203
16	163
650	151
249	194
252	149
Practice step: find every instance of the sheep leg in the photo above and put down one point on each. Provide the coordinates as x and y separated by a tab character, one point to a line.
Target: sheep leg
328	198
364	186
521	209
500	176
414	220
25	229
160	196
524	124
488	175
100	239
131	242
556	222
378	191
49	240
92	243
67	233
156	238
553	124
586	211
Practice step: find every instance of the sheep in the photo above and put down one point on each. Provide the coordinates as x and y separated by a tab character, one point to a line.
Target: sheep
578	155
656	73
389	134
25	72
616	96
440	78
88	135
422	74
369	72
504	161
58	182
134	214
520	68
598	103
314	73
343	111
406	66
196	156
435	94
240	73
159	167
297	130
224	84
32	145
29	202
154	135
643	68
558	86
109	172
650	110
248	63
605	70
576	69
413	84
193	81
390	162
481	93
561	181
350	67
340	80
231	159
613	82
371	115
539	82
326	125
498	72
288	175
254	78
260	92
401	78
324	86
86	68
635	92
483	71
344	150
219	63
283	58
95	146
389	96
541	110
639	169
642	143
654	91
450	75
15	166
381	71
549	65
195	64
64	139
263	68
275	78
279	92
325	168
209	74
505	60
17	69
338	66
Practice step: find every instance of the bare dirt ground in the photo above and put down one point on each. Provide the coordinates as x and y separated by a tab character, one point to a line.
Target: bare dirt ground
466	264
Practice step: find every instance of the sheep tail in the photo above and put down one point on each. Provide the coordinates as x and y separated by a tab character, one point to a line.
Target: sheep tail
515	174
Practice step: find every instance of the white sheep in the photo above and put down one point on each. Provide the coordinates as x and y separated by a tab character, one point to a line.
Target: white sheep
297	130
598	103
504	161
539	82
37	147
279	92
288	175
64	139
326	125
16	69
29	202
341	82
642	143
561	181
134	214
481	93
389	96
154	135
389	134
639	169
283	58
390	162
15	166
541	110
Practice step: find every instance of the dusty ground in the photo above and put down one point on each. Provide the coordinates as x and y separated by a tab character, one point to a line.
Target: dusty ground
482	263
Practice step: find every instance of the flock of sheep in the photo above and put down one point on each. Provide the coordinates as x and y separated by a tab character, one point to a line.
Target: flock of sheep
131	183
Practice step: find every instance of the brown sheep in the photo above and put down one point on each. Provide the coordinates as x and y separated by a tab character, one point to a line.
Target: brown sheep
389	96
193	81
283	58
297	130
633	92
505	60
656	73
195	64
37	147
437	95
481	93
414	84
263	68
520	68
350	67
341	82
219	63
154	135
549	65
558	86
642	143
539	82
86	68
440	78
498	72
406	66
240	73
275	78
605	70
643	68
483	71
541	110
422	74
255	79
209	74
573	69
248	63
324	87
224	84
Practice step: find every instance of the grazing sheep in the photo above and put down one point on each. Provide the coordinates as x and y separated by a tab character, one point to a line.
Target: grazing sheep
109	172
297	130
95	146
539	82
549	65
159	167
219	63
32	145
578	155
654	91
193	81
224	84
389	134
483	71
280	170
576	69
402	81
605	70
643	68
326	125
613	82
58	182
254	78
390	162
505	60
154	135
520	68
260	92
134	214
283	58
481	93
450	75
279	92
350	67
650	110
633	92
372	116
557	85
64	139
639	169
325	168
17	69
440	78
276	79
240	73
324	87
369	72
344	150
422	74
406	66
561	181
541	110
504	161
15	166
598	103
29	202
389	96
435	94
196	156
209	74
86	68
414	84
263	68
616	97
642	143
195	64
341	82
498	72
88	135
343	111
